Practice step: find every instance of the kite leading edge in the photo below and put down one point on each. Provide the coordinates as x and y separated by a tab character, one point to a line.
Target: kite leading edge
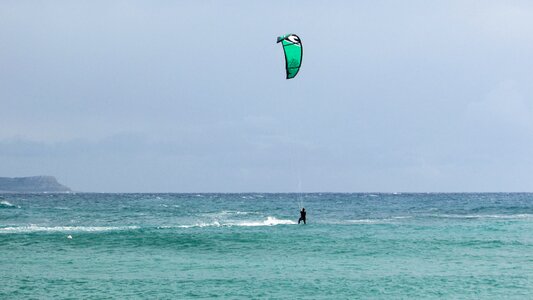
292	47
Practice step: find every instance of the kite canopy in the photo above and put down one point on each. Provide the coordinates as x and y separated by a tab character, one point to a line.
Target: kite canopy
292	46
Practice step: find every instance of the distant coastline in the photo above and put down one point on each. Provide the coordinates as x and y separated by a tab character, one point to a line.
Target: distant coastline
32	184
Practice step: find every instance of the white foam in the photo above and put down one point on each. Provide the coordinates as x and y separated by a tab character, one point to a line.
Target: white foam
226	213
62	208
35	228
213	224
270	221
369	221
6	203
235	212
512	216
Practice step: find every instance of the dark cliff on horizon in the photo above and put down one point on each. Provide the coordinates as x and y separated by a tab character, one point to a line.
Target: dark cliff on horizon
33	184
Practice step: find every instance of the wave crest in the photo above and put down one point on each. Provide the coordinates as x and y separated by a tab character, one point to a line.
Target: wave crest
270	221
7	204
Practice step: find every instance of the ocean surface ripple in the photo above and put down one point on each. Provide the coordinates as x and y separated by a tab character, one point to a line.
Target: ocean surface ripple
187	246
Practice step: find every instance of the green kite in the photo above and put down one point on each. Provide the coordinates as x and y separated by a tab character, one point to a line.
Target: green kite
292	46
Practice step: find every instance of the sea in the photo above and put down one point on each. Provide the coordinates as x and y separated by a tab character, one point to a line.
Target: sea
249	246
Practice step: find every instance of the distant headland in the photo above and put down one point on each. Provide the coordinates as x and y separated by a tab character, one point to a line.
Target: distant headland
33	184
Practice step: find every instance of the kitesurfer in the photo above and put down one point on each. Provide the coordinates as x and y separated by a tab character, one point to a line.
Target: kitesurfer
302	216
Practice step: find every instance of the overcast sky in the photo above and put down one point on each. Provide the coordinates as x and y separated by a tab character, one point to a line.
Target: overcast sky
191	96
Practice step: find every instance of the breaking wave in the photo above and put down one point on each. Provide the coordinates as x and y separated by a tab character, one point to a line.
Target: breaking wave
7	204
270	221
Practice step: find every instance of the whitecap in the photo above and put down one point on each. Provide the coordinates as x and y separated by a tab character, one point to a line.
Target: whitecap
62	208
479	216
7	204
225	213
370	221
235	212
270	221
35	228
212	224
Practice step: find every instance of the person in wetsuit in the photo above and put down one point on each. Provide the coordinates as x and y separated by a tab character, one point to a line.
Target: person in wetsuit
302	216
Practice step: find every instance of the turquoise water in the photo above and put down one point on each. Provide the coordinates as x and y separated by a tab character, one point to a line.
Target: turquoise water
181	246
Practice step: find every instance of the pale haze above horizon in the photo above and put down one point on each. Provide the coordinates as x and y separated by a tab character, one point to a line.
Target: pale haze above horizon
191	96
